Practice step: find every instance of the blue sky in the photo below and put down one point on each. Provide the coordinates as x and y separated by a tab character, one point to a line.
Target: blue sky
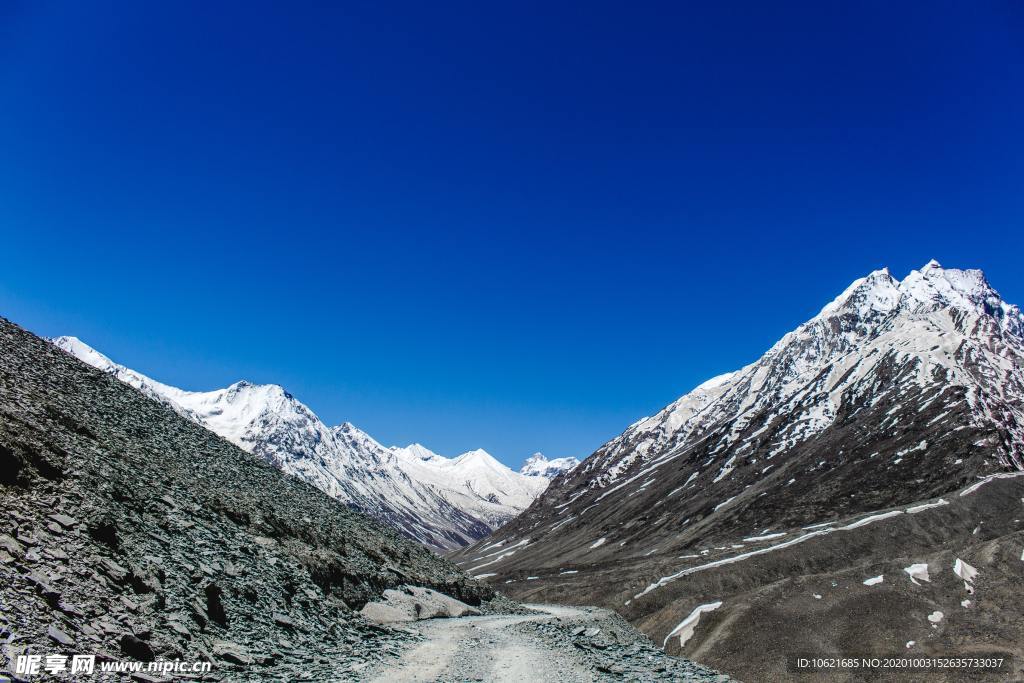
518	227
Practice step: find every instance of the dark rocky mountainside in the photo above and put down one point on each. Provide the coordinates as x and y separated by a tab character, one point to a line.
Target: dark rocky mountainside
741	522
130	531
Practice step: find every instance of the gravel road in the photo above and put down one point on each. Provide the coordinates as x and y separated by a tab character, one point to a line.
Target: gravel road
558	643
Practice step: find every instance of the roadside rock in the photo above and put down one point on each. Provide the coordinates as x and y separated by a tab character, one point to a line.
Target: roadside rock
413	603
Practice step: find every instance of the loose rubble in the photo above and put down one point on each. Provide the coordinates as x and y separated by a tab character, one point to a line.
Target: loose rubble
614	649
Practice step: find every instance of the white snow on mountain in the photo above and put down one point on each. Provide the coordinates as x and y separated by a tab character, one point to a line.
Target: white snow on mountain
537	465
441	502
417	452
943	327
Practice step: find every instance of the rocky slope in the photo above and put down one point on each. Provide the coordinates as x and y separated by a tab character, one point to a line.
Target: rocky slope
441	502
129	531
853	448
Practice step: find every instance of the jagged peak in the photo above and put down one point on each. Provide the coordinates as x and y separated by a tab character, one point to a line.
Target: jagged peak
267	392
539	465
477	457
878	291
246	384
476	453
933	285
347	428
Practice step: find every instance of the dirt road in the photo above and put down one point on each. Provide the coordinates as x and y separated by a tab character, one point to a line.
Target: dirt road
563	644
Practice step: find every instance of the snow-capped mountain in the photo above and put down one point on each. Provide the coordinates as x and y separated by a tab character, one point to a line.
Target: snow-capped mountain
539	466
441	502
896	396
418	452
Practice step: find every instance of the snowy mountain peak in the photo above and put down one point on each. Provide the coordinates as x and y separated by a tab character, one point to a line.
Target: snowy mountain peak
477	457
933	288
537	465
246	391
877	292
418	452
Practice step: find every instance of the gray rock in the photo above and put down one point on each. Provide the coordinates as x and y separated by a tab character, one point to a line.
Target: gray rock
413	603
136	648
59	636
65	521
283	620
232	652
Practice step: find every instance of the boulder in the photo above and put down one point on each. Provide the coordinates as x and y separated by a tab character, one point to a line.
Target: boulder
414	603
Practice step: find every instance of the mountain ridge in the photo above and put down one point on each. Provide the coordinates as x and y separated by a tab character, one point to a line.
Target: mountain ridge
443	503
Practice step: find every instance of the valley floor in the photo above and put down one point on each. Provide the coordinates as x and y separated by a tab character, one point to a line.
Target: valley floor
558	643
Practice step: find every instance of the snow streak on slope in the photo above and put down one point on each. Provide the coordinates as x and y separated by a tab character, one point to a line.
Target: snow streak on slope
441	502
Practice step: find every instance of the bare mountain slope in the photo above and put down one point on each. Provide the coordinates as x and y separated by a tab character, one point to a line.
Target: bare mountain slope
874	415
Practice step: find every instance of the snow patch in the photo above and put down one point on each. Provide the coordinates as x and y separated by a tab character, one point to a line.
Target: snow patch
687	626
965	572
918	571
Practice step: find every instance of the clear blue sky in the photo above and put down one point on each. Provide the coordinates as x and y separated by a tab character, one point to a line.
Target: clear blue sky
519	227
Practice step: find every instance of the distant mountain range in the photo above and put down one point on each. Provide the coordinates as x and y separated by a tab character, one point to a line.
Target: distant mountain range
441	502
786	506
